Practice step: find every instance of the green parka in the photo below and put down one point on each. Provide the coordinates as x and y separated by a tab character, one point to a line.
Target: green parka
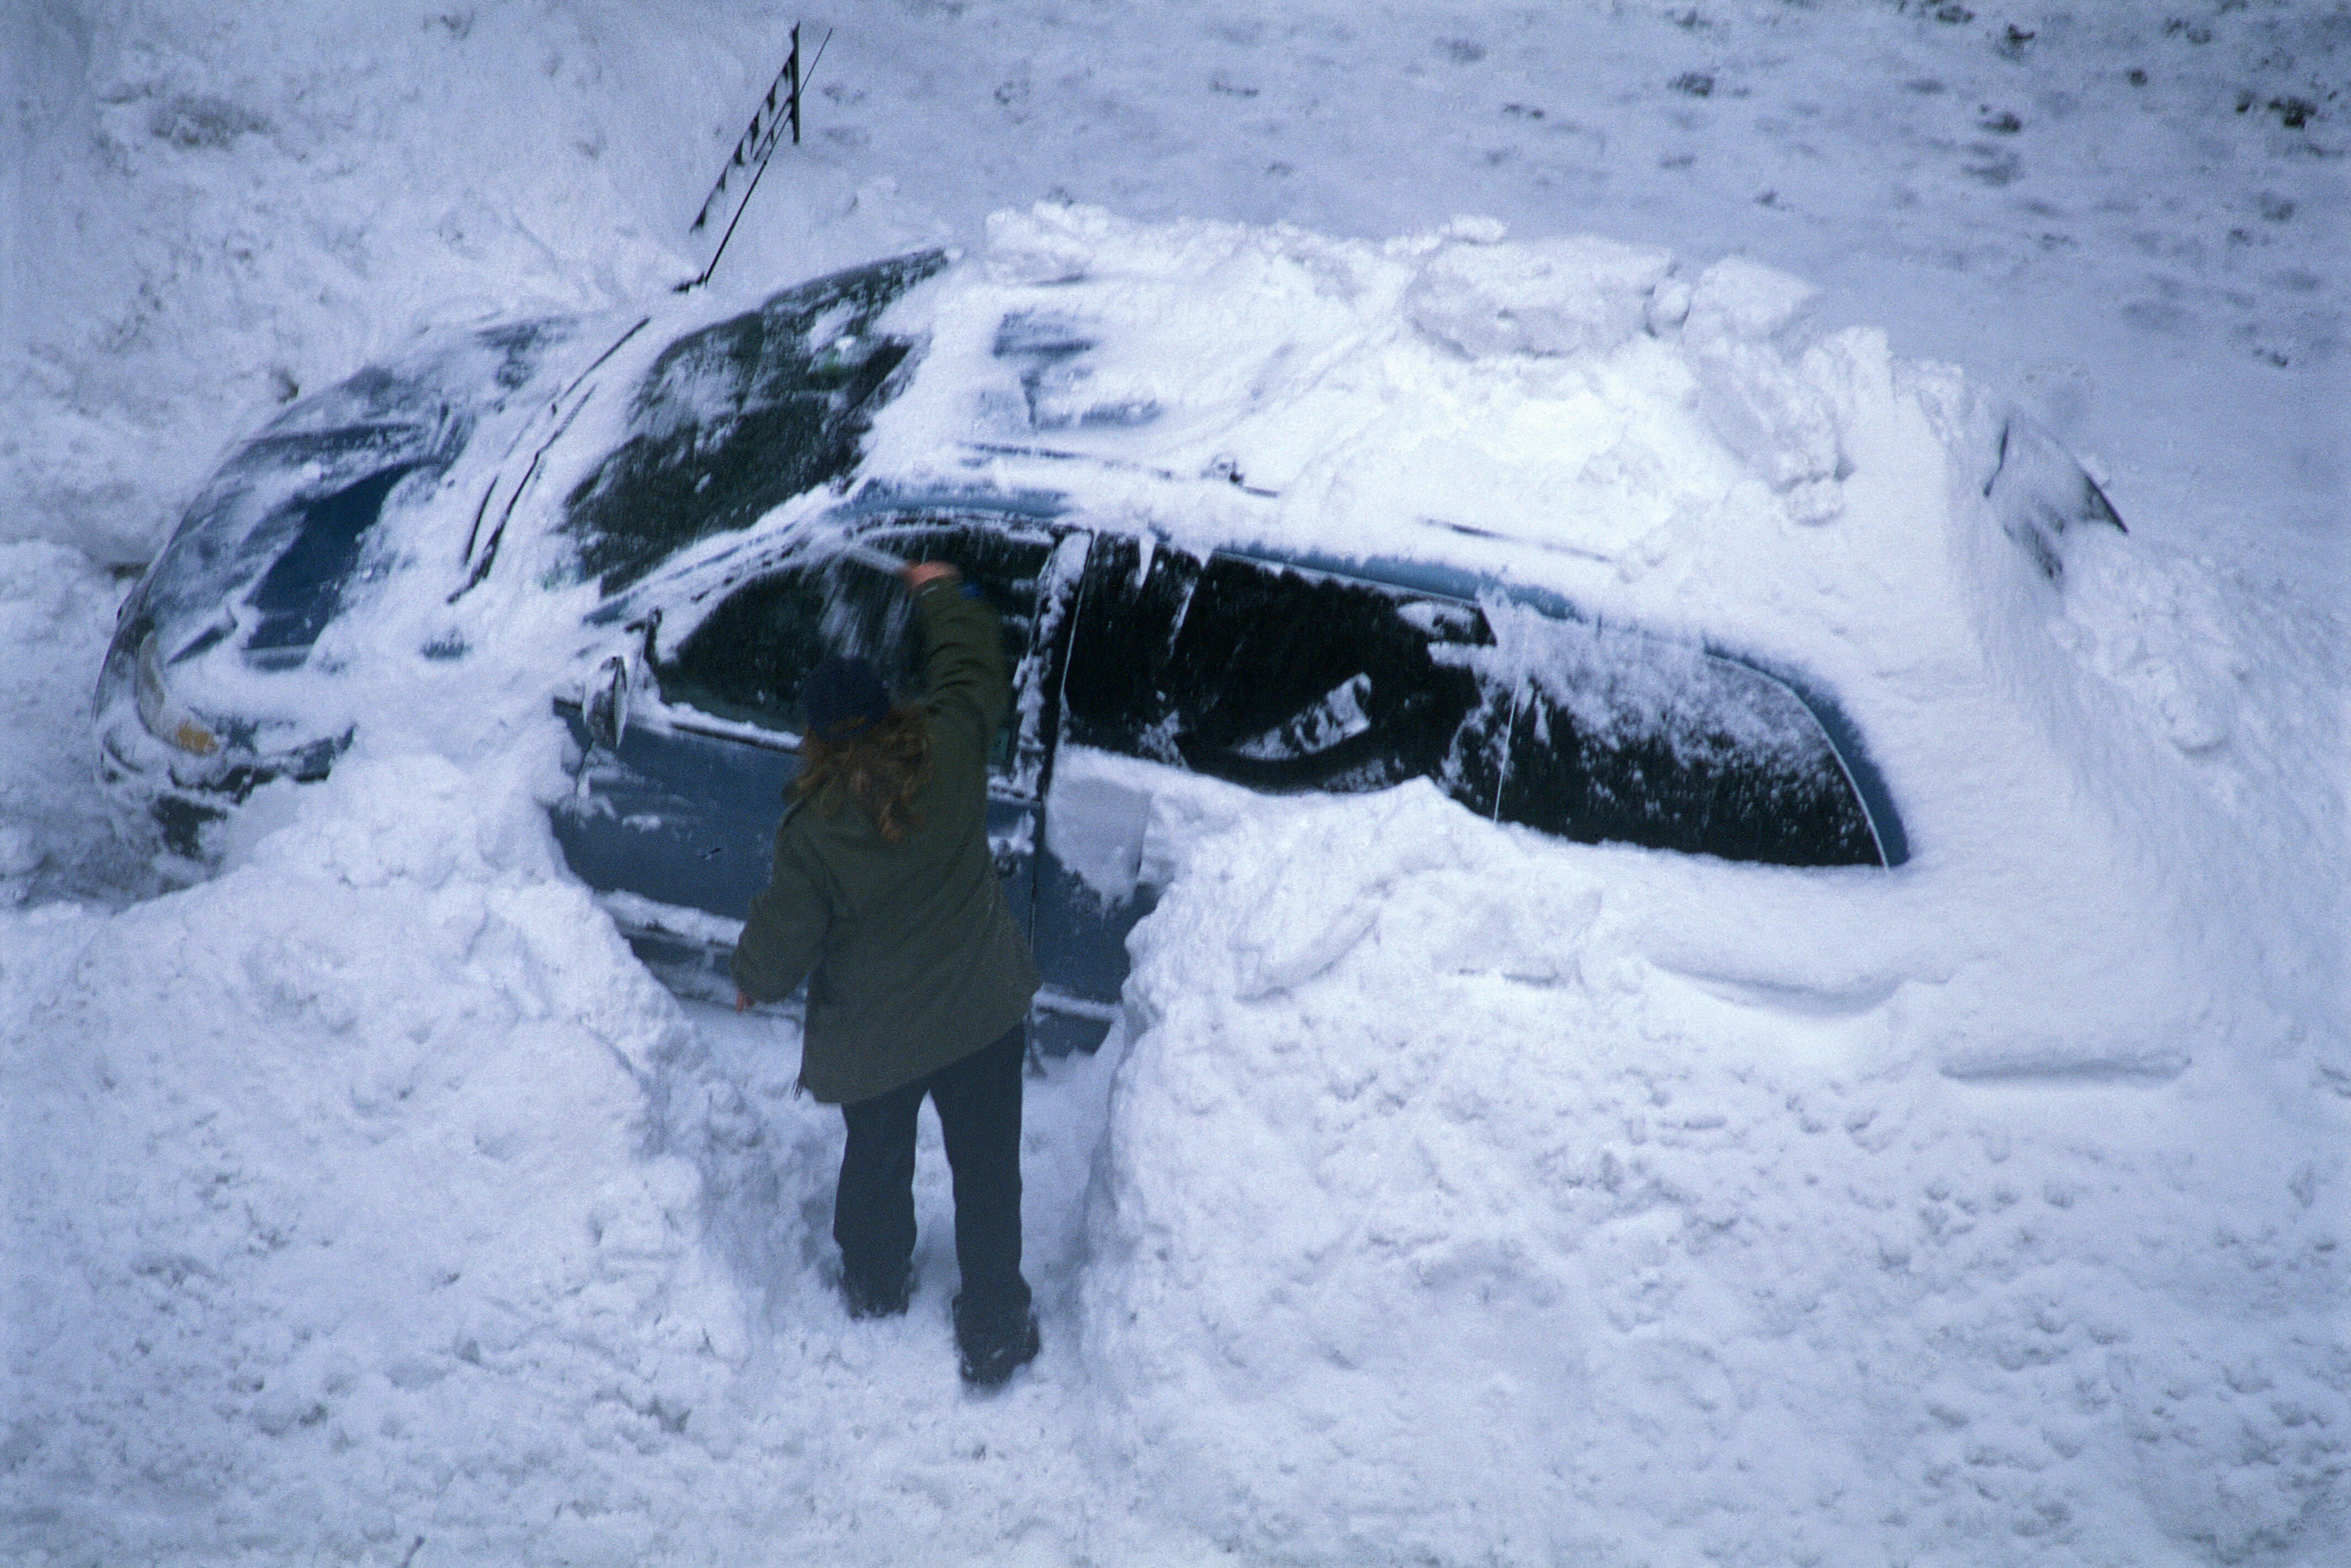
911	953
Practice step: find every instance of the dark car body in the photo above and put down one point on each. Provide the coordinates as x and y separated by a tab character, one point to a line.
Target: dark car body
696	527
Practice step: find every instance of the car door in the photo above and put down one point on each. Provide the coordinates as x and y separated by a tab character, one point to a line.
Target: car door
674	823
1087	892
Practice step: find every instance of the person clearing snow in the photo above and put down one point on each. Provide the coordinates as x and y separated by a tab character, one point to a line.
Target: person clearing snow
919	979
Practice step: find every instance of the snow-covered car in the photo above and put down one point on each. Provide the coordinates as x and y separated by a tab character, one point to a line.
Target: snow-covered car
1248	521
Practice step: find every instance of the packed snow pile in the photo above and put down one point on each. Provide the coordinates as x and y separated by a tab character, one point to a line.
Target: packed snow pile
1470	1196
349	1174
1470	1193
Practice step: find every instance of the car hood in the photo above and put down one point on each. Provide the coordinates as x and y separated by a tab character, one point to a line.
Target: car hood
301	518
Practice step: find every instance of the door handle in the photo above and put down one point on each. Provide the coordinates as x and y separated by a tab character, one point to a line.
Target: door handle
604	707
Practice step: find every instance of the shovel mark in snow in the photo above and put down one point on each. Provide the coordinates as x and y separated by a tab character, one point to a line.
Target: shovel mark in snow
1795	997
1270	964
2053	1061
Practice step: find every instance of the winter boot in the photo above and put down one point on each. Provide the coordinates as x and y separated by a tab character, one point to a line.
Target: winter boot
864	1299
994	1344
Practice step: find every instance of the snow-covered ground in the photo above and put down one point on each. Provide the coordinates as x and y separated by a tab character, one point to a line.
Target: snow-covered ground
1451	1195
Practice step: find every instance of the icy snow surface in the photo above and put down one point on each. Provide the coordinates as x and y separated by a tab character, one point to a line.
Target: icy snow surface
1449	1193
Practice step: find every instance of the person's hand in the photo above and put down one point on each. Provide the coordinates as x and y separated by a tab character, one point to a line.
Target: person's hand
920	573
742	1002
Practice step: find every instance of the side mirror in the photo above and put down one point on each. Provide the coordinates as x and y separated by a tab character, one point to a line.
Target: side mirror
605	706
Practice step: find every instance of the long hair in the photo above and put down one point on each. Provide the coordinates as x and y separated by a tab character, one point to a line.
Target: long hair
882	767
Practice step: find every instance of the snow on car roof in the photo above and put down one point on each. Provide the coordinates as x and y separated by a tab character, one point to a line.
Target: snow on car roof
1675	447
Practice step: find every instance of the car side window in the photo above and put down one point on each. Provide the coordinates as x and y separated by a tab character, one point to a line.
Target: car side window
1129	604
1284	679
1622	736
749	658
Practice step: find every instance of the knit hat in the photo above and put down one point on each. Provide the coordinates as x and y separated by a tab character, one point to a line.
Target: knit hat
844	697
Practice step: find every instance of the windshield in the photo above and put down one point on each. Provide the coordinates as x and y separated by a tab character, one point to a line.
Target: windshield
292	511
738	417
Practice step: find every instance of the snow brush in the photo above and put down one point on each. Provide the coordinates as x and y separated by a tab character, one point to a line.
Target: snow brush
880	560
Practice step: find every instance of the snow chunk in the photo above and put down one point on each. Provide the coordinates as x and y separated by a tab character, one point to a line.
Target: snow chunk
1581	294
1738	298
1049	244
1766	409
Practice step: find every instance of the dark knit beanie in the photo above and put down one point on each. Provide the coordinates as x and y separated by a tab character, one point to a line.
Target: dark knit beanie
844	697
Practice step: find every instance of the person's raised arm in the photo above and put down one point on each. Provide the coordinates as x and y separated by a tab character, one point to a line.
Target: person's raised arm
965	670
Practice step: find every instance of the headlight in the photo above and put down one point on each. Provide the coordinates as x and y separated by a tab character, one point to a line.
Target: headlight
166	719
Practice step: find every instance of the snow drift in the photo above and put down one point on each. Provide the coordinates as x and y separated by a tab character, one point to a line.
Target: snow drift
349	1146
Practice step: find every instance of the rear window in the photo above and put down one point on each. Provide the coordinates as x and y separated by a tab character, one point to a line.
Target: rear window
738	417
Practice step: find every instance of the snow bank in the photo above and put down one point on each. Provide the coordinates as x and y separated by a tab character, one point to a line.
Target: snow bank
2201	724
56	839
370	1203
345	1170
1470	1196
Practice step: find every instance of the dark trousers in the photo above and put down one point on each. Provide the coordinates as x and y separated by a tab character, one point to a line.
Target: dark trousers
978	1101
